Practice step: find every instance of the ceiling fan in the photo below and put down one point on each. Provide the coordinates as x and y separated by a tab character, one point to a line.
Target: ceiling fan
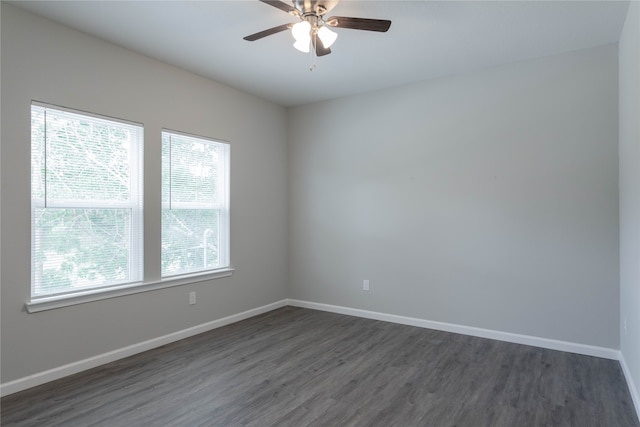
313	27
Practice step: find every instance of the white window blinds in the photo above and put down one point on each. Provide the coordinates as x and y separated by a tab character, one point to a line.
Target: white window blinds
195	201
86	194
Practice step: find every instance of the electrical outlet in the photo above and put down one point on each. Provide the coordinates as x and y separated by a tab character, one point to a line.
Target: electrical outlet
365	285
192	298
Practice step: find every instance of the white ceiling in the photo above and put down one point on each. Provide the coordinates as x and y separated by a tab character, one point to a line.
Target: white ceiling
427	39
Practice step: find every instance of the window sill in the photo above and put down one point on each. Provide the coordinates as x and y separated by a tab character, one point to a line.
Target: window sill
59	301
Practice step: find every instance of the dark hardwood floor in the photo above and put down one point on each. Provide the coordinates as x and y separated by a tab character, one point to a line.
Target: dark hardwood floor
298	367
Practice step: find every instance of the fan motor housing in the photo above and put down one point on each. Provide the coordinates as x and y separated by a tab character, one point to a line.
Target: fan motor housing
316	7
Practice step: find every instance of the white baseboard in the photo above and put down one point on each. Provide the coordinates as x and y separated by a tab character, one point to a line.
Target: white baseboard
101	359
588	350
633	389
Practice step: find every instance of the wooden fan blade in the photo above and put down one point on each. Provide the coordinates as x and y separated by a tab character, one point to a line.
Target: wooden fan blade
380	25
270	31
280	5
319	47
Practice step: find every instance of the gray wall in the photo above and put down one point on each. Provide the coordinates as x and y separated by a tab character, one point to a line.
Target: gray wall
51	63
629	70
487	200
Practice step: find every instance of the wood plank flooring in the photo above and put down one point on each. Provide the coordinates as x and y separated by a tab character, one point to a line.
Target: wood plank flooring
299	367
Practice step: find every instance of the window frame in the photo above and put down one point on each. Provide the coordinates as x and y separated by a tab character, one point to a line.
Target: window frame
134	203
223	205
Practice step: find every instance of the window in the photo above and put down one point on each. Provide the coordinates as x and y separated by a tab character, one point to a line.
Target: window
87	208
86	202
195	204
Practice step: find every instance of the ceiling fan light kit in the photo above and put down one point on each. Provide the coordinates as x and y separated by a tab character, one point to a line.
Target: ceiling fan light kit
327	36
303	32
312	29
302	45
